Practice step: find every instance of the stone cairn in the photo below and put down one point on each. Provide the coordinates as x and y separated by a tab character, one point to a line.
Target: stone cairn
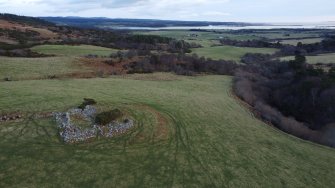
71	133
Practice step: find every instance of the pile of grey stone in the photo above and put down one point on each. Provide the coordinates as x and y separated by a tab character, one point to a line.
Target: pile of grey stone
71	133
115	128
12	117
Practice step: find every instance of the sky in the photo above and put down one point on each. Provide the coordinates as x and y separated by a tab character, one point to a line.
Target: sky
202	10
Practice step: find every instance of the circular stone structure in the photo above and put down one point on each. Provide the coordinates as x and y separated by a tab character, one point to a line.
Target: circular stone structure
72	133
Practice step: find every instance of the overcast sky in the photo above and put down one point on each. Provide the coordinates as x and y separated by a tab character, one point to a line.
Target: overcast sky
209	10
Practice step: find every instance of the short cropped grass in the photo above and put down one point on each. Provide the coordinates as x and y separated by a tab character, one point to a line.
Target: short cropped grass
287	34
229	52
65	62
36	68
211	140
303	41
204	38
321	58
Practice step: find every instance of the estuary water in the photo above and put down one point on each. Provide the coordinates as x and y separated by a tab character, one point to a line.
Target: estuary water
327	25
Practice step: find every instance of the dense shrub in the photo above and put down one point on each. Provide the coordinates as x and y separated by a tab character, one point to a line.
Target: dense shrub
250	43
86	102
149	39
250	58
22	53
7	79
107	117
294	96
325	46
181	64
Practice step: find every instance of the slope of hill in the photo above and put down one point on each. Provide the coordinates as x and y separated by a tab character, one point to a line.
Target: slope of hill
22	30
190	132
25	19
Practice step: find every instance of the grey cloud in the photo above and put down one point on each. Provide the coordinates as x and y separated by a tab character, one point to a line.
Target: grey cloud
88	4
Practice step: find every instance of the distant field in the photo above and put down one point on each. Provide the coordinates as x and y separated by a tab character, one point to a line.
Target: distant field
322	58
40	68
67	50
229	52
204	38
304	41
184	34
190	132
36	68
286	34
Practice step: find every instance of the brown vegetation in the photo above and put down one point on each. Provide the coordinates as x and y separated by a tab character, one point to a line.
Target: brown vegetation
44	33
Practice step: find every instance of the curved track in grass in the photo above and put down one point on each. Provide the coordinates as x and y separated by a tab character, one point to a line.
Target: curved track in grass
189	132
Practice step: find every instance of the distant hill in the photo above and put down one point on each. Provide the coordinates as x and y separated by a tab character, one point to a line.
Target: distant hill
23	31
101	22
26	20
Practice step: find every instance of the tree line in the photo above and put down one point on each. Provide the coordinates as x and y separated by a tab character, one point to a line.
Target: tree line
144	61
291	95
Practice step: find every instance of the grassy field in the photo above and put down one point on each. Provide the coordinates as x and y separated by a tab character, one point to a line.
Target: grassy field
36	68
285	35
206	39
185	34
210	37
321	58
65	62
304	41
190	132
79	50
229	52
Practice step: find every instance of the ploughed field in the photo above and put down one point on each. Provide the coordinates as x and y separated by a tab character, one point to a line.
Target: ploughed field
189	131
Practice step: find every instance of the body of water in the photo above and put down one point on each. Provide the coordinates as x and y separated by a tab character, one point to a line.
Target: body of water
225	27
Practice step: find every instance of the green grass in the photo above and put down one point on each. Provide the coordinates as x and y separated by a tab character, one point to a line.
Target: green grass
229	52
184	34
209	38
40	68
206	39
36	68
285	34
304	41
321	58
212	141
79	50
